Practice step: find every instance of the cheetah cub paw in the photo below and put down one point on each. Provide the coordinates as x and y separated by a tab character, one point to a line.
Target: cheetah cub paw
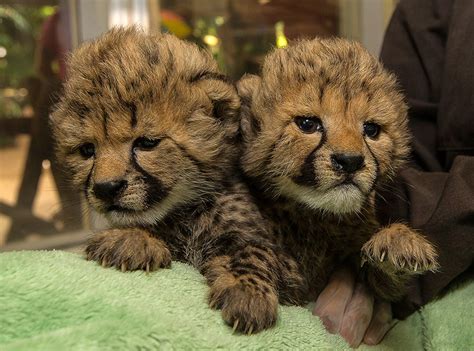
248	305
401	249
128	249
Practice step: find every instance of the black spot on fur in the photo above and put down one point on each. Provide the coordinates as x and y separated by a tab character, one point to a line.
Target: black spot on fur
217	219
133	113
324	82
209	75
252	281
232	207
239	198
229	225
244	255
285	264
244	266
105	118
260	256
301	77
78	107
228	242
170	64
249	224
311	64
151	54
240	271
365	87
263	276
98	83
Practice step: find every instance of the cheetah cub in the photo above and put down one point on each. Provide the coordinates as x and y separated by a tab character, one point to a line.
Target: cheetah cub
324	126
148	128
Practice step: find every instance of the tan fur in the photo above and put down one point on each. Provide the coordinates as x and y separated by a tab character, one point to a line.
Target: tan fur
319	220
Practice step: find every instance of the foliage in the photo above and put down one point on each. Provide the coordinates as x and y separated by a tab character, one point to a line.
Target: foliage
20	27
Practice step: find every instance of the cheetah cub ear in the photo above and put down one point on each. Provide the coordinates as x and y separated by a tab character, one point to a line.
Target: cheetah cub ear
247	88
222	93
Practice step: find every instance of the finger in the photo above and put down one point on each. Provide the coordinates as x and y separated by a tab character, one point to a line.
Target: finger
357	315
382	321
332	301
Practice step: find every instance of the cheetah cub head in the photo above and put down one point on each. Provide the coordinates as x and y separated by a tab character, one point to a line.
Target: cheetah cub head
145	125
322	125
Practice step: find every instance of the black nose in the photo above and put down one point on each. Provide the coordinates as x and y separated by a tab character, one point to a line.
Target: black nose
108	191
347	163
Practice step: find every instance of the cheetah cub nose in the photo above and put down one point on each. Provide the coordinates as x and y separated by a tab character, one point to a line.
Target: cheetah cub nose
347	163
108	191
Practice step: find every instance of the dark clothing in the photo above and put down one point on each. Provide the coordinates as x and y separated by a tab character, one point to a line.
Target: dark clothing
429	46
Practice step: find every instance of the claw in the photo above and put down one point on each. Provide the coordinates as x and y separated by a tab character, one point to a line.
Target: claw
147	268
362	262
212	304
402	264
383	256
123	267
416	266
236	324
249	332
104	263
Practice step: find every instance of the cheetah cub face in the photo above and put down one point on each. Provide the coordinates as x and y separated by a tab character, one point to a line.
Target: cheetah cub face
144	124
323	124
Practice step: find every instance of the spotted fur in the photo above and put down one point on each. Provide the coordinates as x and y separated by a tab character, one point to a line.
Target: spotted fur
148	126
321	210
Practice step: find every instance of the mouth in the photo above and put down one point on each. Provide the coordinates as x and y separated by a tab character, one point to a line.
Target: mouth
346	183
120	209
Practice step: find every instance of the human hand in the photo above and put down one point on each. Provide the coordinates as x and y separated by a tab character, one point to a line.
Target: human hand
347	307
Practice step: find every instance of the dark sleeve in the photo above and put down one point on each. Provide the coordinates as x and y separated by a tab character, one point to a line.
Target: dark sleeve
48	47
423	47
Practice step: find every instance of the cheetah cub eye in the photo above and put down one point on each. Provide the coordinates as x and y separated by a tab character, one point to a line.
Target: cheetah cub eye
145	144
309	124
371	130
87	150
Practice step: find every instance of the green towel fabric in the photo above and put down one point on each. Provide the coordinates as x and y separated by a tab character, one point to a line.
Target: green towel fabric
54	300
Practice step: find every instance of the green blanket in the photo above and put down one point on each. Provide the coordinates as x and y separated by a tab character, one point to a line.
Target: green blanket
53	300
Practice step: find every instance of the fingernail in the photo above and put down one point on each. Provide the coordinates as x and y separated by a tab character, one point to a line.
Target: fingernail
328	324
351	337
377	335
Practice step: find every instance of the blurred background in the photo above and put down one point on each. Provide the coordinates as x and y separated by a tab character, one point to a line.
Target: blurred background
38	209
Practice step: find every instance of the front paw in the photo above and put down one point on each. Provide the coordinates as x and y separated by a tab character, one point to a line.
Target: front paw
247	305
401	249
128	249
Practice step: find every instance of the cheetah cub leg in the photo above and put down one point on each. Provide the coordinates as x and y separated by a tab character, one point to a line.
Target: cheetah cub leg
395	254
244	288
128	249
